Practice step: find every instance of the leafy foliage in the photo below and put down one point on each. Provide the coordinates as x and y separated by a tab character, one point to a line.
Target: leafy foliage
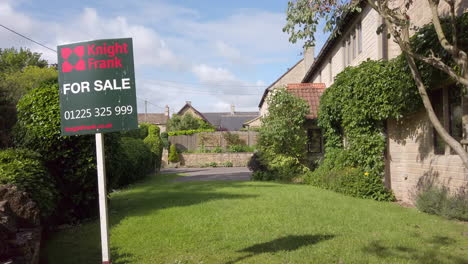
233	139
25	169
190	132
138	160
154	142
355	108
12	60
282	138
438	201
70	160
186	122
283	130
173	154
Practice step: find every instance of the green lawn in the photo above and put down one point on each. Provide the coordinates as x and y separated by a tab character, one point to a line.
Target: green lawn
258	222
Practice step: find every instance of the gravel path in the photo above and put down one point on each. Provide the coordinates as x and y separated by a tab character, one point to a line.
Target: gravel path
212	174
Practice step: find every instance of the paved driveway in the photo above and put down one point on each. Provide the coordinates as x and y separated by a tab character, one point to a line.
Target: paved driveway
212	174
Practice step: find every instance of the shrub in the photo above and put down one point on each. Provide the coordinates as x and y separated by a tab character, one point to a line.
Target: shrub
256	163
240	148
189	132
165	140
24	168
173	154
233	139
187	122
213	164
70	160
140	133
285	168
227	164
438	201
138	160
154	142
350	181
218	150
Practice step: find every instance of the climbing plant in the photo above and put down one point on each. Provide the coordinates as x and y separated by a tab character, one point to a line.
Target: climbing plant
353	110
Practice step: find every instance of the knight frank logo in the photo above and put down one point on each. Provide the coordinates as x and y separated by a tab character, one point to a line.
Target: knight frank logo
79	65
90	62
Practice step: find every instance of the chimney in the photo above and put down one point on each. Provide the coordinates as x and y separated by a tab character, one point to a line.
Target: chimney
188	102
166	110
232	109
308	58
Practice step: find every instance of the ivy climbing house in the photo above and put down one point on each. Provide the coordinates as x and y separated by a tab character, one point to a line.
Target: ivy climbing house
411	153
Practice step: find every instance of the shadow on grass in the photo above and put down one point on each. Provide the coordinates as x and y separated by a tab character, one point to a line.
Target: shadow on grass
430	253
288	243
146	198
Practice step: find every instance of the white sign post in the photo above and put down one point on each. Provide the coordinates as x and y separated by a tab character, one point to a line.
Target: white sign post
101	170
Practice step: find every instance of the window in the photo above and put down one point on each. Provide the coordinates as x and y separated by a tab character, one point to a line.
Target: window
330	70
448	99
314	137
359	38
354	45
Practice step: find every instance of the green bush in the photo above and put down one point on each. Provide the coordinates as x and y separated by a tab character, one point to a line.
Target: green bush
233	139
70	160
154	142
165	140
189	132
218	150
438	201
257	163
173	154
187	122
227	164
213	164
138	160
240	148
141	132
24	168
350	181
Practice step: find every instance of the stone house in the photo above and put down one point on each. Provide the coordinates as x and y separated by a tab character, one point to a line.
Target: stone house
224	121
415	154
159	119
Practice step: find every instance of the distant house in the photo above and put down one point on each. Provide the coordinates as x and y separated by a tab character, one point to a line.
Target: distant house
227	121
159	119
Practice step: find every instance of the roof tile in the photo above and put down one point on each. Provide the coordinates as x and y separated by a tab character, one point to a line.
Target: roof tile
311	93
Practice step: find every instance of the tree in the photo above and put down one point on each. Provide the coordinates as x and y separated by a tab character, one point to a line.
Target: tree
283	129
186	122
20	72
303	17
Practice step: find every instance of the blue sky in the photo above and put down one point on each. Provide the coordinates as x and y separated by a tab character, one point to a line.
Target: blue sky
212	53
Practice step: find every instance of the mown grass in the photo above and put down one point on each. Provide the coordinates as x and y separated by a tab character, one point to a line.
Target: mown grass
158	221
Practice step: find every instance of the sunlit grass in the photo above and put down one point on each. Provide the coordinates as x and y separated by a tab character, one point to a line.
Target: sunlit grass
159	221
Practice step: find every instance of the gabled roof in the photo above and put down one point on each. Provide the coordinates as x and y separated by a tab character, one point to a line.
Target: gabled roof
186	106
265	93
157	119
311	93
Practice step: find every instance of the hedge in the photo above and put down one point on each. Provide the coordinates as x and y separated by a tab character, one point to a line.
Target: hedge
189	132
24	168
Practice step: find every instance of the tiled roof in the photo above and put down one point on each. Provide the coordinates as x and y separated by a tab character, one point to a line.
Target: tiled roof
228	121
157	119
310	92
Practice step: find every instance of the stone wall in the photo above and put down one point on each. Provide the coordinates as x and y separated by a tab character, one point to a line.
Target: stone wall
239	159
412	163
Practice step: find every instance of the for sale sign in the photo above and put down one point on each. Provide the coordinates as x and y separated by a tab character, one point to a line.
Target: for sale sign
97	87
